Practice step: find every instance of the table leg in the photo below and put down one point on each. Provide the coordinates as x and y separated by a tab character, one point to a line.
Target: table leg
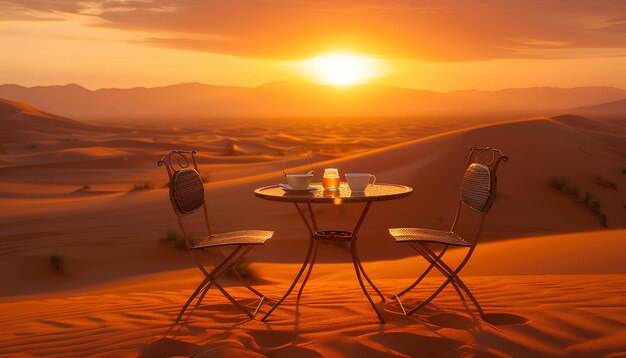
315	244
358	267
358	261
306	261
355	233
358	276
308	273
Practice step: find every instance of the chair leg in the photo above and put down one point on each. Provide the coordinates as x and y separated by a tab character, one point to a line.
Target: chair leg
233	300
471	296
440	265
200	287
245	282
458	285
433	260
419	279
225	293
238	275
432	297
457	282
308	273
429	299
258	307
210	279
201	298
412	286
358	276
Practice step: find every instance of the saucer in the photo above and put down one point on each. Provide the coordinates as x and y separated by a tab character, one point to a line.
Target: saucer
290	190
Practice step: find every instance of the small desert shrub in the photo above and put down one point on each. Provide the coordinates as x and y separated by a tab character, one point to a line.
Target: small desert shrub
178	240
141	186
229	149
59	263
175	238
599	180
595	207
585	200
565	187
171	235
243	266
84	188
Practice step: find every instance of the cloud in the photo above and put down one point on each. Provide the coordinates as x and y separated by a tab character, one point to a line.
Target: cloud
452	30
13	11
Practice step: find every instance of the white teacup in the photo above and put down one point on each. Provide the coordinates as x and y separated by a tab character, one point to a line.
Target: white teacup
299	181
359	181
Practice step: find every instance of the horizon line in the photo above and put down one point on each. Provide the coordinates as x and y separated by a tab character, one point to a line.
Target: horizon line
70	84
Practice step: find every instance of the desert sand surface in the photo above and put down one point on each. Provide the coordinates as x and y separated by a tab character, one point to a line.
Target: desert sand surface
544	315
548	272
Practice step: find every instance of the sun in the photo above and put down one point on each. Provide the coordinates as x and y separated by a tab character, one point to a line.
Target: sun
344	69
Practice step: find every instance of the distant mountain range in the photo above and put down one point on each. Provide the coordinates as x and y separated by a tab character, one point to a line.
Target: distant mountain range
615	107
287	99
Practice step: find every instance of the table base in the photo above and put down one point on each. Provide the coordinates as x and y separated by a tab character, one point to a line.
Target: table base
315	236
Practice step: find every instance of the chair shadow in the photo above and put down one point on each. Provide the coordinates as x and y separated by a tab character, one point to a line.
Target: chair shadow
171	346
168	347
444	319
296	323
296	351
448	319
437	317
504	319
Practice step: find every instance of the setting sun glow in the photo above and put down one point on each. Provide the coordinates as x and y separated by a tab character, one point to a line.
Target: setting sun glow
344	69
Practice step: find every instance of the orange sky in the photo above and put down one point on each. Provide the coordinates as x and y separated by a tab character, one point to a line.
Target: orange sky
442	45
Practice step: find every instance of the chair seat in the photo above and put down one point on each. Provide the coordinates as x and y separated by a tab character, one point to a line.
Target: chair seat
427	235
241	237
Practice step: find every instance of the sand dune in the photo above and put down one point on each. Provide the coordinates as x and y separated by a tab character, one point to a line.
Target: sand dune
29	146
122	283
526	206
19	115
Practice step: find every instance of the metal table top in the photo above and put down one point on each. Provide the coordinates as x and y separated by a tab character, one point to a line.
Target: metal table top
376	192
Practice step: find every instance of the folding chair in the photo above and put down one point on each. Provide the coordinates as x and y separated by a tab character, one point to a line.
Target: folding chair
478	192
187	197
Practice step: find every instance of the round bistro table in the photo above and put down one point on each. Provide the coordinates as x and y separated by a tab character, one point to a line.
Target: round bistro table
376	192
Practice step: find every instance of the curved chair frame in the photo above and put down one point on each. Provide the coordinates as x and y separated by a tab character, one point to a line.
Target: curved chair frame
491	158
175	162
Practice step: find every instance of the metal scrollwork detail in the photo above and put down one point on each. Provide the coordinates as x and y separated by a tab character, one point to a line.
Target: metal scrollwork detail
180	156
184	159
487	156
